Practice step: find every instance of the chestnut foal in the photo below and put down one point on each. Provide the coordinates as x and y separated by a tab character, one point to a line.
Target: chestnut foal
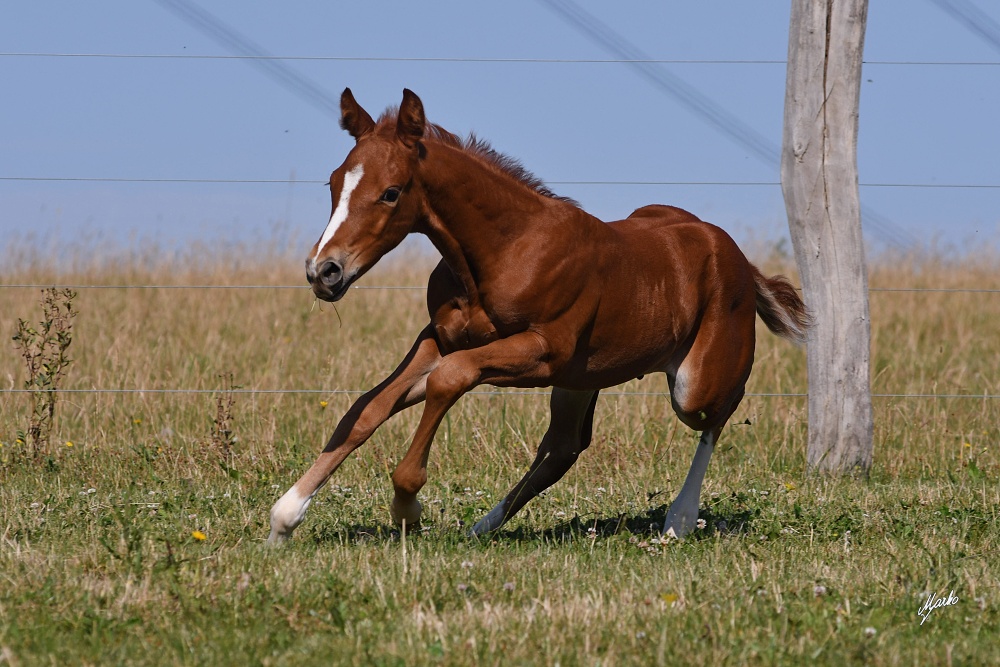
532	291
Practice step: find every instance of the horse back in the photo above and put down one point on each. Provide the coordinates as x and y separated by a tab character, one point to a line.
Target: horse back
678	242
663	214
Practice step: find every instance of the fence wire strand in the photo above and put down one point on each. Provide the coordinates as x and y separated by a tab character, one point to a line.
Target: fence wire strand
476	60
653	183
943	290
261	57
482	392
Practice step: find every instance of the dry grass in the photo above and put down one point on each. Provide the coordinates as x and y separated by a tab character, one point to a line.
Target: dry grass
99	564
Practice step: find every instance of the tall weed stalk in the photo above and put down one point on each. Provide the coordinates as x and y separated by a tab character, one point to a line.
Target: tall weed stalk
43	349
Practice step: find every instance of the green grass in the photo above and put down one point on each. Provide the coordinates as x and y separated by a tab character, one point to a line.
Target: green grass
100	564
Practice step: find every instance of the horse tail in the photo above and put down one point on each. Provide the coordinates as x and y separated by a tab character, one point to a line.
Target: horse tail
781	308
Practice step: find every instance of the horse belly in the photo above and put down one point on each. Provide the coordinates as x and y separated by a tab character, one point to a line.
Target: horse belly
643	323
617	359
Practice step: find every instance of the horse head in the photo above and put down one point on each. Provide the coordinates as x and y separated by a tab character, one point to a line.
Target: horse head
373	204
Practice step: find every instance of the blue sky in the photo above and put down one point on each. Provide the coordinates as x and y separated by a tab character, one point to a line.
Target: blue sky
224	119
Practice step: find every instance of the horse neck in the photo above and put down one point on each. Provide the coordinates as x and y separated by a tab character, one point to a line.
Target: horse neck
476	209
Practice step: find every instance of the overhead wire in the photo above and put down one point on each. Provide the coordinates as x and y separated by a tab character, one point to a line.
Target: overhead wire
727	123
275	67
705	108
973	19
255	55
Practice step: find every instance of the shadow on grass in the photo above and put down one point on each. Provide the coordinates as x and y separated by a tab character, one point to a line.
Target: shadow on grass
649	524
729	521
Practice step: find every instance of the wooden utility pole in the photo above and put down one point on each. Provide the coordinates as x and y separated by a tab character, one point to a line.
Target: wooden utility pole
819	179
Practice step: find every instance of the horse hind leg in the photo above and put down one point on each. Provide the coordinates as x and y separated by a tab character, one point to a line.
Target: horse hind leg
569	433
682	517
703	410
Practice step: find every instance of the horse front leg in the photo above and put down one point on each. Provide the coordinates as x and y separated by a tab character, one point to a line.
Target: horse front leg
405	387
523	359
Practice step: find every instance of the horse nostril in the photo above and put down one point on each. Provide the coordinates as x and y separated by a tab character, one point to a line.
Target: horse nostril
330	272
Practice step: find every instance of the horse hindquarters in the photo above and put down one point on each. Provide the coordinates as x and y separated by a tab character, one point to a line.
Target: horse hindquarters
710	381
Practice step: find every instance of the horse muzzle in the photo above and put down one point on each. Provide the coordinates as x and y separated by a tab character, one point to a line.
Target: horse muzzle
328	279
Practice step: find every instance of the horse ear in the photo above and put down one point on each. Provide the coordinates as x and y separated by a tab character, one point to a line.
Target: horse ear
410	122
353	118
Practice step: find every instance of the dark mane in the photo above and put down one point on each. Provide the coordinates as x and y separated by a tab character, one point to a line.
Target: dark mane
481	150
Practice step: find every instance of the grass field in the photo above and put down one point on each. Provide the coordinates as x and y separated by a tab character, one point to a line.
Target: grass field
138	539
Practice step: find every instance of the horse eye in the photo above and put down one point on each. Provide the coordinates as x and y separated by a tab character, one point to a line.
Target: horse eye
390	196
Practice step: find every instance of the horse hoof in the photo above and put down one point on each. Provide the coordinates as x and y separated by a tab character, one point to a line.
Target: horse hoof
490	522
276	539
410	511
677	527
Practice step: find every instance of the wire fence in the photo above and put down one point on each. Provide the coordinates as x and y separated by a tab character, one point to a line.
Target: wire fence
498	392
474	392
285	181
944	290
468	59
478	392
258	57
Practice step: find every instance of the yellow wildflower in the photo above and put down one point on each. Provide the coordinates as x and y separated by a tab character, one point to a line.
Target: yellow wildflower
69	443
789	486
198	535
323	404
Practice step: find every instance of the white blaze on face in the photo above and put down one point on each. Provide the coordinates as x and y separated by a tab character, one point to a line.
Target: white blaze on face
351	180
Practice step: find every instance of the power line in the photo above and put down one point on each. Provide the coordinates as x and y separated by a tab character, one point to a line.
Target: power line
255	55
705	108
973	19
696	101
627	53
